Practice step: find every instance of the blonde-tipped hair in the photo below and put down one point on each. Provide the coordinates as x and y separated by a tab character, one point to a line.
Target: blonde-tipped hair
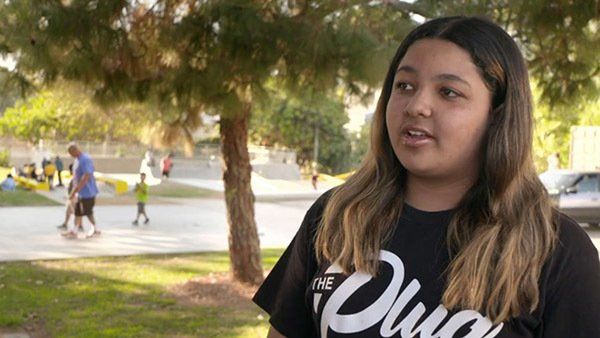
502	232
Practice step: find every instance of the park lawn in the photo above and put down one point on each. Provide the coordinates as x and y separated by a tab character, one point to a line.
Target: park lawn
177	190
22	197
123	297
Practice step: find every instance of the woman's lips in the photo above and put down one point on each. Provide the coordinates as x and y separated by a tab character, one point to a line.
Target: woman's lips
416	137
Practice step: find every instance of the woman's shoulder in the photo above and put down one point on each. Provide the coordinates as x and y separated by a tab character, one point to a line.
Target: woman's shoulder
570	284
574	252
572	237
321	202
315	212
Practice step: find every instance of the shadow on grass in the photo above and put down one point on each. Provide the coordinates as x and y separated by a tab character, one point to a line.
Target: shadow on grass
125	297
183	263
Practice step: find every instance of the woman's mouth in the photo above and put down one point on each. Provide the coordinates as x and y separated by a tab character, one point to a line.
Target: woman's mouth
416	137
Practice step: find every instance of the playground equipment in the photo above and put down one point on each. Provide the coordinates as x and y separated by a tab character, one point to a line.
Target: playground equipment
119	186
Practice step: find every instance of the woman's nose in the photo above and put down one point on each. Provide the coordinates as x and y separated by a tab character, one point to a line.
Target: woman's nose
419	104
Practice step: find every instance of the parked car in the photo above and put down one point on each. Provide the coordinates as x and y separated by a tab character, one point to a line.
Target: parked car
575	193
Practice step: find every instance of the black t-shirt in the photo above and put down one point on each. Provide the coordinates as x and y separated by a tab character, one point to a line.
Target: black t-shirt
305	299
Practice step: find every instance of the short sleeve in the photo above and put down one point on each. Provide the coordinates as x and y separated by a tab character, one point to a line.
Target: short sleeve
572	297
282	294
86	166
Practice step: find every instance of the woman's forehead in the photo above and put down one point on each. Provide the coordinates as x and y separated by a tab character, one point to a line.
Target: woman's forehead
437	56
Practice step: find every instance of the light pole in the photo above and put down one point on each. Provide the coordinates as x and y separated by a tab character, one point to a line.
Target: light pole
316	149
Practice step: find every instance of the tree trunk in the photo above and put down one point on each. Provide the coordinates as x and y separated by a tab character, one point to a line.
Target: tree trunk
244	246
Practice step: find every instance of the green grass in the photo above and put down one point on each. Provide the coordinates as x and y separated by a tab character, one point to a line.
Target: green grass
171	189
122	297
22	197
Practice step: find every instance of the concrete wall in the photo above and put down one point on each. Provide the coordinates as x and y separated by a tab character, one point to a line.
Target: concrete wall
278	171
182	168
211	170
102	164
193	168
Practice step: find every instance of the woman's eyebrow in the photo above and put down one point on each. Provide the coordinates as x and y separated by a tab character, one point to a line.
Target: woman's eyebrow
407	69
445	76
452	77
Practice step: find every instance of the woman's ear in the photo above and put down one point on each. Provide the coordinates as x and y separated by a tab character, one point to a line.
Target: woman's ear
494	115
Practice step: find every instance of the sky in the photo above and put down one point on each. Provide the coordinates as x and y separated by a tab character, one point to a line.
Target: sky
7	63
358	112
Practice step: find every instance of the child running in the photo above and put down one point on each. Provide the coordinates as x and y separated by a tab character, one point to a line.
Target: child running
141	193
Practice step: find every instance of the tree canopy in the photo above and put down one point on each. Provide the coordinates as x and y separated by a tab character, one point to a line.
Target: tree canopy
294	121
8	93
66	111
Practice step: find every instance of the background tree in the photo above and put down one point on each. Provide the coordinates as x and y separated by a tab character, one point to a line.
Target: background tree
360	144
553	130
9	93
66	111
185	57
292	122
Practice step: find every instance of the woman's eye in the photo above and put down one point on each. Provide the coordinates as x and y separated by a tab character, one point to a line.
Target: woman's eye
403	86
449	92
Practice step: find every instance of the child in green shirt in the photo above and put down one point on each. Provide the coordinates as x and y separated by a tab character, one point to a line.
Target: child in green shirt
141	193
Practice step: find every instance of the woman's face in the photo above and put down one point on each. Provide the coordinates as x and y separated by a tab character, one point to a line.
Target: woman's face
438	111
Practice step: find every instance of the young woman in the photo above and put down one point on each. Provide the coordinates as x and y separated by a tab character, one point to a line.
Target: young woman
445	230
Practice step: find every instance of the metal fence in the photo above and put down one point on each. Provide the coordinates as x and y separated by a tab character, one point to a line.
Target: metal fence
258	154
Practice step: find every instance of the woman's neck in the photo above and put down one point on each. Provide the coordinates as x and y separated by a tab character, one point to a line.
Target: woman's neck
428	194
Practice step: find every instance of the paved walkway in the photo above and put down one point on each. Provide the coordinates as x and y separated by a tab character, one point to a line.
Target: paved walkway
263	189
186	225
190	225
182	225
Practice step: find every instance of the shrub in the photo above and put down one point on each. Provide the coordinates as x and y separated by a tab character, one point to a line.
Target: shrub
4	158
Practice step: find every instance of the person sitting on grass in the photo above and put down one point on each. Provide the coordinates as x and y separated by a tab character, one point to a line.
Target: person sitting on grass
8	184
141	194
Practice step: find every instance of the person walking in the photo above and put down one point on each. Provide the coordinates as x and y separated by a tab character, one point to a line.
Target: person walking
141	194
166	165
314	179
84	193
59	168
70	204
